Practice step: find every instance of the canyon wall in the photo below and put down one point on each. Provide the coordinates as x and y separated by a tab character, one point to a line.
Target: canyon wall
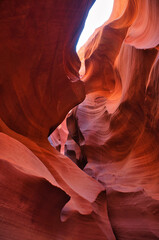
100	110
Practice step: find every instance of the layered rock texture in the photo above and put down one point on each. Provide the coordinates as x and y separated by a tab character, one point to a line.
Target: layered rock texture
100	179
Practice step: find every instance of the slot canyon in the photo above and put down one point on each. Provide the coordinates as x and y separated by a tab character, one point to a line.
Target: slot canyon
79	132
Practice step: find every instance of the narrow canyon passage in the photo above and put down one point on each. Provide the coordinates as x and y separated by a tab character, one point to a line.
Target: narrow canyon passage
100	109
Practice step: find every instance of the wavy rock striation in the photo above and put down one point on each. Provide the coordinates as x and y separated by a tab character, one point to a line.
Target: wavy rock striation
118	120
106	184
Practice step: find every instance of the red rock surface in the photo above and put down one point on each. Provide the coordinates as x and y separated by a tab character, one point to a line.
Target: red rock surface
106	186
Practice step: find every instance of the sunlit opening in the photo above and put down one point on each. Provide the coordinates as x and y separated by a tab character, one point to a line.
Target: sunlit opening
97	16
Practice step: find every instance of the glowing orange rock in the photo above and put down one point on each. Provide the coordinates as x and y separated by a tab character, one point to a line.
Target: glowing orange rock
112	135
119	118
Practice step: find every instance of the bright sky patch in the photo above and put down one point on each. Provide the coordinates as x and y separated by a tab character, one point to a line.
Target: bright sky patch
98	14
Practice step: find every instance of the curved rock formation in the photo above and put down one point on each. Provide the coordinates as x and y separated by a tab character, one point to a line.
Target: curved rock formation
106	186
